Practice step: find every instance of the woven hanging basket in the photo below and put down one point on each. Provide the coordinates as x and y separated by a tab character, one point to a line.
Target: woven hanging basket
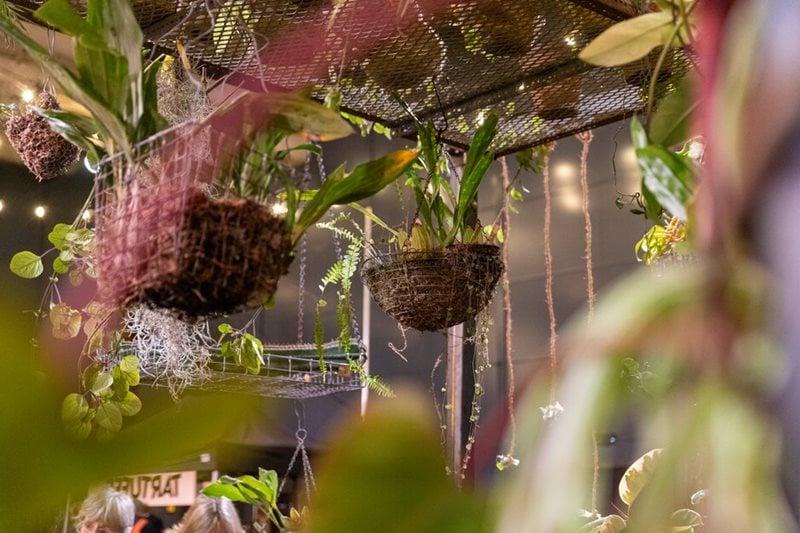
431	291
216	256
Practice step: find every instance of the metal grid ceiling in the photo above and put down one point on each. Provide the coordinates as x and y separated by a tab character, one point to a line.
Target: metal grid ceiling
452	61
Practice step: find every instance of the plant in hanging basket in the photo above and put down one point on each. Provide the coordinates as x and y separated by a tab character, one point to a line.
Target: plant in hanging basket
557	100
213	235
43	151
444	270
503	27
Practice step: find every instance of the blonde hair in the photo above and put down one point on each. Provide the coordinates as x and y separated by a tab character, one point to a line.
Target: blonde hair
109	509
211	515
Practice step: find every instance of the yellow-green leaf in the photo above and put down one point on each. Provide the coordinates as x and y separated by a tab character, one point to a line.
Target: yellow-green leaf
629	40
66	321
26	265
638	475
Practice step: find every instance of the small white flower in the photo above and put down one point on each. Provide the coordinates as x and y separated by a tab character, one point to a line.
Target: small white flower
551	411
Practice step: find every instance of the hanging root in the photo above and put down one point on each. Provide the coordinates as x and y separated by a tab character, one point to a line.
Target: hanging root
170	349
400	351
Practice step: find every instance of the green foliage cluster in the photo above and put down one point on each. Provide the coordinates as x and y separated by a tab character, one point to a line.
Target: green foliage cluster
340	274
106	399
261	493
245	349
74	245
111	79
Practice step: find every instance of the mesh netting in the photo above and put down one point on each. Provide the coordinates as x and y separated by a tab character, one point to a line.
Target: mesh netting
431	291
458	59
168	237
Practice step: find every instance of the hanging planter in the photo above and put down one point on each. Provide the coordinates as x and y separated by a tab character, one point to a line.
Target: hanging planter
43	151
505	28
405	60
431	291
557	100
215	256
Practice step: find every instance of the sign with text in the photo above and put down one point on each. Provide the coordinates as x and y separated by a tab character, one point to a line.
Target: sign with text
160	490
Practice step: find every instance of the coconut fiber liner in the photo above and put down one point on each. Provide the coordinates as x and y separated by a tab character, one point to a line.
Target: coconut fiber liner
224	255
431	291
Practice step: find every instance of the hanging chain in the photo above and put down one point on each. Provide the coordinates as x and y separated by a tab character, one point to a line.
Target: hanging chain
301	283
300	451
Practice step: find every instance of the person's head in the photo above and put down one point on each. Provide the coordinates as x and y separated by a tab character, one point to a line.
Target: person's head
211	515
106	510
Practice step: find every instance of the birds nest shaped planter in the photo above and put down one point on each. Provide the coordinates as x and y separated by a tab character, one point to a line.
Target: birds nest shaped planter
434	290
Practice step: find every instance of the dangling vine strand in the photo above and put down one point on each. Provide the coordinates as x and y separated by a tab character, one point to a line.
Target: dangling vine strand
507	325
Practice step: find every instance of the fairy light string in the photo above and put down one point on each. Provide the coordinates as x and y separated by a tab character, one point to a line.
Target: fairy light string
586	138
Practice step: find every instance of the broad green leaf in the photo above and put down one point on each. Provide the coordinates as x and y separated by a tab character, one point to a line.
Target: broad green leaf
116	23
79	430
101	383
670	122
364	181
225	328
629	40
74	408
223	490
120	387
26	265
66	321
61	15
58	235
686	520
129	363
638	134
605	524
668	177
130	405
109	417
60	266
638	475
105	71
74	128
301	114
265	493
269	478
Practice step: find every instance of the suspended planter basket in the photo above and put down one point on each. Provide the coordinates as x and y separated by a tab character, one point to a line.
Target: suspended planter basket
559	101
405	60
431	291
506	27
44	152
166	239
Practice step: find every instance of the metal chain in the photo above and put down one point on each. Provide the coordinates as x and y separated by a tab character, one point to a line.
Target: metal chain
301	283
300	450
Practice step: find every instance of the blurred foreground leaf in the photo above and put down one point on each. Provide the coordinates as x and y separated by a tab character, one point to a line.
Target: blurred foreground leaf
387	474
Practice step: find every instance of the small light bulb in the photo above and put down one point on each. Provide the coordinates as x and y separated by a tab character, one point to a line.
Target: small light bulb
521	87
87	215
39	211
570	40
2	205
279	209
27	95
564	172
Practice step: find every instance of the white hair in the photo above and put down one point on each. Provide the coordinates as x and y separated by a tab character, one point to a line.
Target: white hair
109	509
211	515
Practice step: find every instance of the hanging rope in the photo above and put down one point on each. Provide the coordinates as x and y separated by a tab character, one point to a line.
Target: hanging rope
586	138
548	282
510	387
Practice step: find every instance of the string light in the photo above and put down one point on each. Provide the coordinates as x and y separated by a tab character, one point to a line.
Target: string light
27	95
39	211
564	172
2	205
87	215
279	209
569	198
570	40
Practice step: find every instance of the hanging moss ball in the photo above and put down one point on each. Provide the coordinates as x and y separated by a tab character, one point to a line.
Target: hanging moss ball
504	27
46	153
404	61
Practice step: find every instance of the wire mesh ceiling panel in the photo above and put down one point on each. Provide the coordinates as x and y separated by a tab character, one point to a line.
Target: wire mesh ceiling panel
450	61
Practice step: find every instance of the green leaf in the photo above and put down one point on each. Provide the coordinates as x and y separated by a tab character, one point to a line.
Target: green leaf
61	15
364	181
102	382
638	135
129	364
670	122
74	408
79	430
223	490
66	321
629	40
686	520
268	478
120	386
105	71
225	328
638	475
26	265
60	266
109	417
74	128
130	405
668	177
